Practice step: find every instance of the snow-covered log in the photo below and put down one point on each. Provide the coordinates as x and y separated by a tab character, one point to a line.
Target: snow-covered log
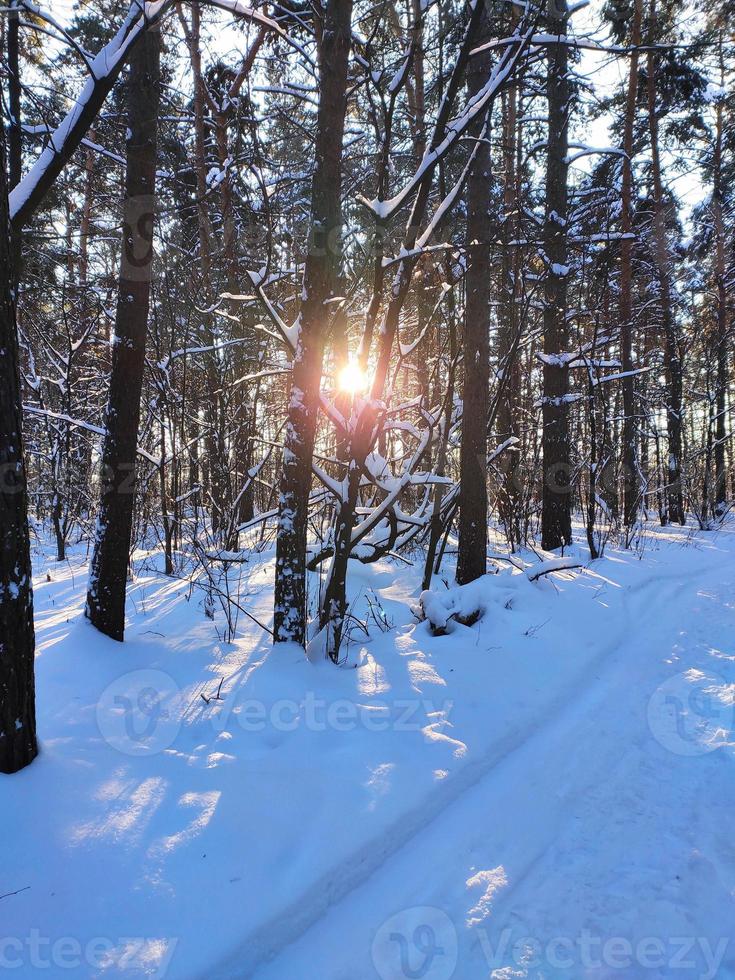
552	565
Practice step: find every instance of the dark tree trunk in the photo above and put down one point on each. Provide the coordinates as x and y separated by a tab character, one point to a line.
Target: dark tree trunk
108	573
472	553
631	478
592	489
556	525
15	132
672	352
437	525
218	482
509	398
320	279
720	490
17	691
246	353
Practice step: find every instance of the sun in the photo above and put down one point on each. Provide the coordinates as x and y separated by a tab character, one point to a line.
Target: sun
352	378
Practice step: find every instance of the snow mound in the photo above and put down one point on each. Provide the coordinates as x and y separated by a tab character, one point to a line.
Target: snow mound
463	603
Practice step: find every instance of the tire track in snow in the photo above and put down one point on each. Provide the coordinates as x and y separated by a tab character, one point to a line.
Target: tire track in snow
481	797
338	884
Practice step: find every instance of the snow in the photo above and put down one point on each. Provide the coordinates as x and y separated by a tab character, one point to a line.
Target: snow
561	564
461	603
442	142
546	793
715	93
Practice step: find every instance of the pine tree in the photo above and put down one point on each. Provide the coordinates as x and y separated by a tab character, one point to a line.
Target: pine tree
17	642
556	526
471	556
108	571
320	281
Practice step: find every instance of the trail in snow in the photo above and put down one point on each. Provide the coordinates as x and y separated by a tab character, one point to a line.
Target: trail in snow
532	796
593	850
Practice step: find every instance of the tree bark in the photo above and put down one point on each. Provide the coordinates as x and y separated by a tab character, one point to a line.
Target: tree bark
108	571
556	525
720	491
320	278
220	496
672	354
631	478
509	396
17	643
437	526
472	553
15	132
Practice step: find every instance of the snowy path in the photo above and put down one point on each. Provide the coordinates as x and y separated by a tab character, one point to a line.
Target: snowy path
562	772
593	850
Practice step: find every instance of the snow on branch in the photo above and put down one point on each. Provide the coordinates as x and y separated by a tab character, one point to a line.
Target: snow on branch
552	565
585	150
439	147
79	424
104	70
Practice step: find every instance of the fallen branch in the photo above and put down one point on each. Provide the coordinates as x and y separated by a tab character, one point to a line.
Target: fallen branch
552	565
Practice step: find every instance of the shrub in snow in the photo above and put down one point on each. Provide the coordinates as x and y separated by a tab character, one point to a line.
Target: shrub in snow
464	603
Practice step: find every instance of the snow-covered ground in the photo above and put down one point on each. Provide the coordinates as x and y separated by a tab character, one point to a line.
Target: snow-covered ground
547	793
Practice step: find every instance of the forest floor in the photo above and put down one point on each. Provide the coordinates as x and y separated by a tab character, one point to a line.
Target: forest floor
546	794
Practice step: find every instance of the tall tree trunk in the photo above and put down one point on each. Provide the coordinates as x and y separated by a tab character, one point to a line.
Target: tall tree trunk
472	553
215	442
108	572
631	478
15	131
437	525
593	539
417	92
17	690
85	227
720	493
509	396
556	524
320	278
672	353
246	354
